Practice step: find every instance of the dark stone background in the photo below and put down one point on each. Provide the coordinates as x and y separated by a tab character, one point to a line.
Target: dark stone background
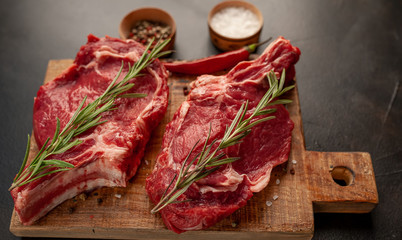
349	78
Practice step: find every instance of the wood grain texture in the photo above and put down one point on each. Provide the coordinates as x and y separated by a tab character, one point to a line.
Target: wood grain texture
305	187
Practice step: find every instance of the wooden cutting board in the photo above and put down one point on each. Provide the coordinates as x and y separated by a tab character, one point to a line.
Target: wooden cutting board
284	210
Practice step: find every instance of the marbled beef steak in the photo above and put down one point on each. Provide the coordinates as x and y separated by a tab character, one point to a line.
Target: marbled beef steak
111	152
214	101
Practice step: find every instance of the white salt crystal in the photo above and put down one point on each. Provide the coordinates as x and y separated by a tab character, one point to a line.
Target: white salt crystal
146	162
117	195
269	203
278	181
294	161
235	22
275	197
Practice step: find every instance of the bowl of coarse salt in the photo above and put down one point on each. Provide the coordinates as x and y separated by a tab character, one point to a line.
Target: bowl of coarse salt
234	24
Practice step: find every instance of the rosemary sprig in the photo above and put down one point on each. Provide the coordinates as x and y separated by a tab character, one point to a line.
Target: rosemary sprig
208	161
83	119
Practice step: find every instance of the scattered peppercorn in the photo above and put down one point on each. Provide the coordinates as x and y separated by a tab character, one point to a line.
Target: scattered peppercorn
71	210
292	171
143	31
185	91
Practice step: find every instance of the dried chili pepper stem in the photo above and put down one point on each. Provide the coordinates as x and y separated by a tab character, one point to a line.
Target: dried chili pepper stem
252	47
213	64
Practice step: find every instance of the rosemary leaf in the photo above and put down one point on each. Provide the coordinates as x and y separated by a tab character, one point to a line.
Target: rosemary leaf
44	174
56	133
58	163
133	95
74	117
170	184
203	175
25	158
189	165
234	140
205	151
267	111
217	157
280	101
258	122
66	147
223	161
286	89
185	162
239	115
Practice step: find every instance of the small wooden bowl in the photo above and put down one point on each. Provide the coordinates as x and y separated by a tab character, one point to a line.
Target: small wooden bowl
225	43
149	14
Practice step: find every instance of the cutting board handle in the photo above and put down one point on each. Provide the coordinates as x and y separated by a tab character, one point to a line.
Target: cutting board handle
341	182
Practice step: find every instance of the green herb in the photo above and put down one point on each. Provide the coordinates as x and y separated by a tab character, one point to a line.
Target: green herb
208	161
83	119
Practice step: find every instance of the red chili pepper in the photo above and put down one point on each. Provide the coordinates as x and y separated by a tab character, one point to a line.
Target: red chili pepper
214	63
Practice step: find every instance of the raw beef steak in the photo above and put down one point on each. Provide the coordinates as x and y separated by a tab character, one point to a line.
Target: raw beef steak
111	152
215	100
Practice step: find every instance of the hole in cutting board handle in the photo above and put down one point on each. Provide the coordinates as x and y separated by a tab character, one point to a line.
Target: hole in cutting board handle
343	176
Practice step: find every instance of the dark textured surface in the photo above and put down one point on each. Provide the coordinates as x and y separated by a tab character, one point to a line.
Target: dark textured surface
349	78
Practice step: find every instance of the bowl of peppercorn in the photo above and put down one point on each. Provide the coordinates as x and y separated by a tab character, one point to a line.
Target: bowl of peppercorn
144	24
